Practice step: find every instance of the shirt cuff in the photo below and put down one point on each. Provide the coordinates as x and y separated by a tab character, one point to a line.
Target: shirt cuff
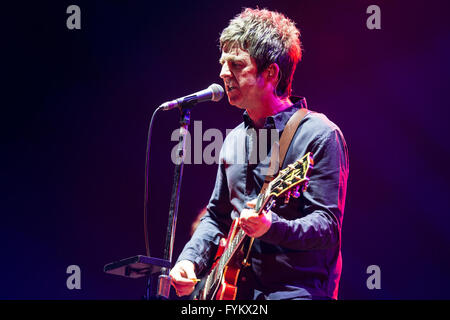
197	260
277	230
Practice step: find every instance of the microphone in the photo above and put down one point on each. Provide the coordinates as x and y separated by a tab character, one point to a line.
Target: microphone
213	93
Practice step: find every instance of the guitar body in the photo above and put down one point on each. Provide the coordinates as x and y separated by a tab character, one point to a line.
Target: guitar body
228	286
233	253
227	291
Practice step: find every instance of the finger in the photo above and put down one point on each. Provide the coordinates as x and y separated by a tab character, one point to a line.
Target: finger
243	217
183	282
248	213
249	217
183	288
253	220
183	292
252	204
245	213
247	230
247	226
190	273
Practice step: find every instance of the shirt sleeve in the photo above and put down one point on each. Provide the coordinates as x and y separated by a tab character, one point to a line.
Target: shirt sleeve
323	201
201	248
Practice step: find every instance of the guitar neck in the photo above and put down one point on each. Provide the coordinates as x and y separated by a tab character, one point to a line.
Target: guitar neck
236	241
240	234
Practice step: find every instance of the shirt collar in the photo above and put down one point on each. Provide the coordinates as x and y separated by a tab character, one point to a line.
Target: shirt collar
280	119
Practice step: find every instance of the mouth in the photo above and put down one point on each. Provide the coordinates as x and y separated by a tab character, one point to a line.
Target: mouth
230	88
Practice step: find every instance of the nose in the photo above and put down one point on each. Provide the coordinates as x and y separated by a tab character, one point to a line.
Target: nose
225	71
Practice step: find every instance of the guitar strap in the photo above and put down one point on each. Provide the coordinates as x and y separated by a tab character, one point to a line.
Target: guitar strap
280	149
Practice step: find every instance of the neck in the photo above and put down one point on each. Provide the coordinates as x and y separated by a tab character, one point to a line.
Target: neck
267	107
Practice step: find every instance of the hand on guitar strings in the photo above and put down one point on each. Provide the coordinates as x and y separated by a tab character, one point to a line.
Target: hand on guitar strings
255	225
183	278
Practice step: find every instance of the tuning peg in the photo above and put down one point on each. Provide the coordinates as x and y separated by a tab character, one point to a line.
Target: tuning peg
296	192
305	185
287	196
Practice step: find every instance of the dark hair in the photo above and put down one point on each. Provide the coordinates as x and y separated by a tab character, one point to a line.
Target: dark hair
269	37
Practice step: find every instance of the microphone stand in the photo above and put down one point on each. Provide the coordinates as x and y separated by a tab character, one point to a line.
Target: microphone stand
139	265
163	290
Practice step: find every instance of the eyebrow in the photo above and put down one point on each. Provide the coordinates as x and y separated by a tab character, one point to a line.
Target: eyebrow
230	58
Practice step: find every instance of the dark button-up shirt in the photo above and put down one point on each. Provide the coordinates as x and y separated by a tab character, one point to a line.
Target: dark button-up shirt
300	255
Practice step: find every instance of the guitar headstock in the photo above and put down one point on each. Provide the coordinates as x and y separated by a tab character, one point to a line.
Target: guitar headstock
292	178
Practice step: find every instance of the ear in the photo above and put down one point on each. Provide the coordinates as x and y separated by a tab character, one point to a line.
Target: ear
272	73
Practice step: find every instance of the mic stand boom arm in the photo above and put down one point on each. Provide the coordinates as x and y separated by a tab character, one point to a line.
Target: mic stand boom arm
163	290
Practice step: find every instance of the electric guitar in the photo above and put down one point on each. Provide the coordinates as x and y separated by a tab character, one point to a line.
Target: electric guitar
233	252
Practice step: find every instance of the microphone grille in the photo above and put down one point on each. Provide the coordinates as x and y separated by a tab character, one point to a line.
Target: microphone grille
217	91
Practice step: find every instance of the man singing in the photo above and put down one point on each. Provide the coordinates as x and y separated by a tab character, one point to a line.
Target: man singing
296	253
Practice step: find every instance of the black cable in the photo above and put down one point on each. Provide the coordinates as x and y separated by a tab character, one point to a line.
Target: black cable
147	158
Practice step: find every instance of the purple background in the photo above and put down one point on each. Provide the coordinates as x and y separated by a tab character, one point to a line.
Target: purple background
76	106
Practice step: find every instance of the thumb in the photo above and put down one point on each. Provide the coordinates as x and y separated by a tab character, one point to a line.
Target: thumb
190	273
252	204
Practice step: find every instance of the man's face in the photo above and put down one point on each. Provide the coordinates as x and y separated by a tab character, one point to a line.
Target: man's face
243	86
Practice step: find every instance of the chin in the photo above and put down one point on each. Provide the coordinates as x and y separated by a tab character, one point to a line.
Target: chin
235	102
236	105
